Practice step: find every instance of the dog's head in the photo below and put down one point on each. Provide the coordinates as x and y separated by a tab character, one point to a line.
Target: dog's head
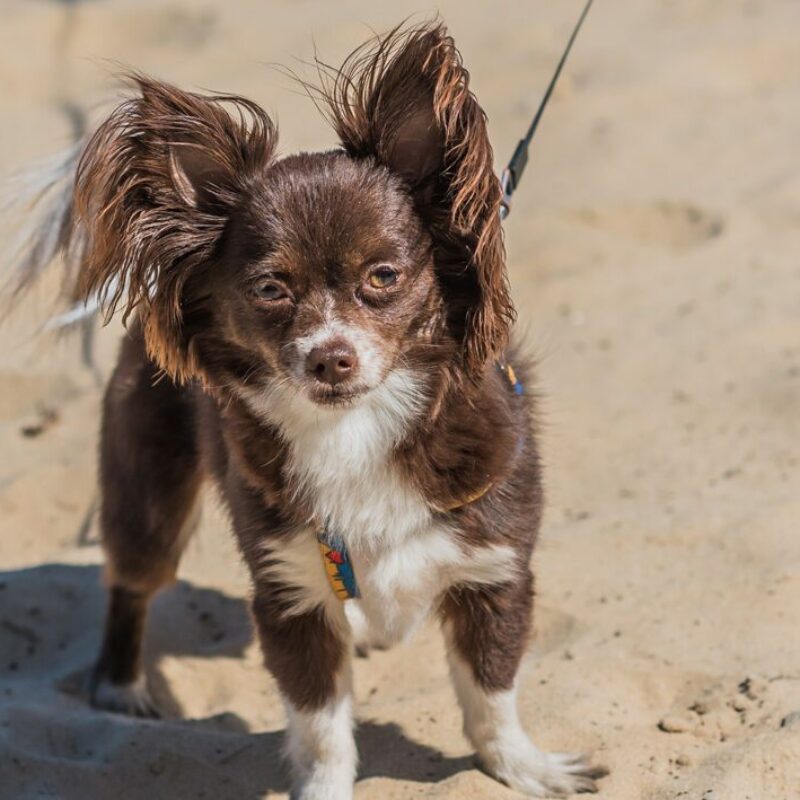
324	273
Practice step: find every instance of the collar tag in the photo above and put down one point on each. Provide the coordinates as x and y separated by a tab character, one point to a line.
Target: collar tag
338	566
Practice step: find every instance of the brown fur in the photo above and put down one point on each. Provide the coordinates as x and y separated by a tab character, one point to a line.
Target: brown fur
225	258
164	242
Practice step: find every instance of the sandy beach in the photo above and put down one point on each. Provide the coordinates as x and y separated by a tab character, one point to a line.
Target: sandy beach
654	258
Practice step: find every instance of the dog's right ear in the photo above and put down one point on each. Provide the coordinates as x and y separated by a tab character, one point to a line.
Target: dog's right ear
155	187
404	100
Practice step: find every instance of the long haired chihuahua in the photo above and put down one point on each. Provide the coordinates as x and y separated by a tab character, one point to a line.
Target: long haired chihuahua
325	336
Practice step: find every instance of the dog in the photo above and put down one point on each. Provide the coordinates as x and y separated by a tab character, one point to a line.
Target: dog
326	337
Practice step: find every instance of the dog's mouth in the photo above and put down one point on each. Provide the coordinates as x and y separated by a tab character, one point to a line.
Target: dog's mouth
336	396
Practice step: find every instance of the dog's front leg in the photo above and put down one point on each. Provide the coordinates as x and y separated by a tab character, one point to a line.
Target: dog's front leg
310	656
486	630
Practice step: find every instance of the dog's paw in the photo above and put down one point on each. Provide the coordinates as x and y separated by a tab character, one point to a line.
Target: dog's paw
333	784
323	792
537	774
132	699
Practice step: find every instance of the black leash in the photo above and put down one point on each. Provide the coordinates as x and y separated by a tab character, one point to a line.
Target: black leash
512	174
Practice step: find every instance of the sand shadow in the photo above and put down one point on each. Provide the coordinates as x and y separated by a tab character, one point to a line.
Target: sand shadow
386	752
50	623
51	617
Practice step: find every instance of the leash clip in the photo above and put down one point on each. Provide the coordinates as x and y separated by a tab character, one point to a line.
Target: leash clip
511	176
506	181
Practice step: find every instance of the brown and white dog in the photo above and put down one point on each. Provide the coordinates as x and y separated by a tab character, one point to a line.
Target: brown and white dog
323	336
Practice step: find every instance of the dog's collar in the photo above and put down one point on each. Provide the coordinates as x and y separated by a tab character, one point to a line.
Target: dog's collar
338	566
335	557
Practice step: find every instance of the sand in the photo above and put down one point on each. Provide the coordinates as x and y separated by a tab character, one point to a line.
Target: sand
654	259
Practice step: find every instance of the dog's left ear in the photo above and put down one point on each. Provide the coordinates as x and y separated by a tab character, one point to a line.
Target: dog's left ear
406	102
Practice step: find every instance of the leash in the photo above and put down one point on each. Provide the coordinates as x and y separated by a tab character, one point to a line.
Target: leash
512	174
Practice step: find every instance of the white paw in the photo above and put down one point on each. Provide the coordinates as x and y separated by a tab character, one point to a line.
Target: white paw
325	784
537	774
128	698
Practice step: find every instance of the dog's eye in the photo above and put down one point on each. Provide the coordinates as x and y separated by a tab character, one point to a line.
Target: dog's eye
270	290
382	277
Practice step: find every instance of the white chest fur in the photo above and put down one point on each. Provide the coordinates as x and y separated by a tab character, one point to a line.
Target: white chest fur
403	555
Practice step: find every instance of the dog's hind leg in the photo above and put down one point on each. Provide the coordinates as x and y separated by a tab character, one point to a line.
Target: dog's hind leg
150	477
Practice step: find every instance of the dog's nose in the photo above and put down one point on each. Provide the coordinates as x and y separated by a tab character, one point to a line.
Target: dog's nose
333	362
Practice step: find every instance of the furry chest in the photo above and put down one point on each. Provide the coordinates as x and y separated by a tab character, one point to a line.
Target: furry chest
347	475
399	585
404	555
395	549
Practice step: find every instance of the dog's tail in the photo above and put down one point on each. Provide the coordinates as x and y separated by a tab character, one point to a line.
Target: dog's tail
37	210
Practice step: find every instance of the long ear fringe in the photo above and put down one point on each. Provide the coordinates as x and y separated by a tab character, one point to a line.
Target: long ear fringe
143	239
365	99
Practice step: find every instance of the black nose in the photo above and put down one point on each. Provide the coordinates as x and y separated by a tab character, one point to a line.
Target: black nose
333	362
